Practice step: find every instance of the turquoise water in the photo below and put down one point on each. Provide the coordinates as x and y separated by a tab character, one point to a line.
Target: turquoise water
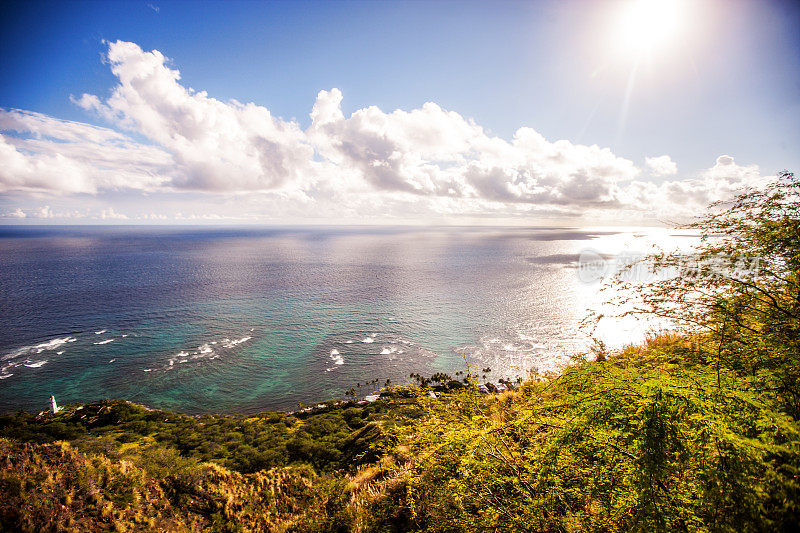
243	320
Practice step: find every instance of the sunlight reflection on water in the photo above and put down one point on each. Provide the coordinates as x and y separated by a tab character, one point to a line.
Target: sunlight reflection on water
240	320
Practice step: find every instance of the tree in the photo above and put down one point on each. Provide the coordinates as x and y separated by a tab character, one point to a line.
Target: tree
741	289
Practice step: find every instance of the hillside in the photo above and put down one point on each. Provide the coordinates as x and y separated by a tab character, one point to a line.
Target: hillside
650	438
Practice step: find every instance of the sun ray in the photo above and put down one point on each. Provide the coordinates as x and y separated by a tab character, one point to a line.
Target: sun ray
626	100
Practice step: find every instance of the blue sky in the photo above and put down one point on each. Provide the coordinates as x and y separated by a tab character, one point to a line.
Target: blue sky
726	85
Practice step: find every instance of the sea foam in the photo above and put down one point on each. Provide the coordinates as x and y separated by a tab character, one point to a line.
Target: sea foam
227	343
336	357
37	348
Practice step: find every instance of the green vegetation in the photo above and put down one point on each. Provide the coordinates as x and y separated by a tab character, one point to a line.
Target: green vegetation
694	430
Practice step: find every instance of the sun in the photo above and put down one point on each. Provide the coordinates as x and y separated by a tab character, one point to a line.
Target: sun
645	27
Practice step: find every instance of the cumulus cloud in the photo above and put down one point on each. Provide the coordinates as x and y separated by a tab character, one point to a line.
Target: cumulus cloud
216	145
431	151
38	152
662	165
229	146
426	160
677	198
110	214
17	213
726	170
44	212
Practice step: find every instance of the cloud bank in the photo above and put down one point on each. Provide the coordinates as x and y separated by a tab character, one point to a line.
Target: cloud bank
423	161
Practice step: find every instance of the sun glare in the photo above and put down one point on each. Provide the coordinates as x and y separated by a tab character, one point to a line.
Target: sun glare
647	26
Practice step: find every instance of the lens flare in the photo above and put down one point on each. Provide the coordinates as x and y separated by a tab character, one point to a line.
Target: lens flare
647	26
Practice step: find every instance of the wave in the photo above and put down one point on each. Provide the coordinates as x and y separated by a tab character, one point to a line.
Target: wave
519	353
368	340
227	343
38	348
5	370
26	355
53	344
206	351
100	332
104	342
337	359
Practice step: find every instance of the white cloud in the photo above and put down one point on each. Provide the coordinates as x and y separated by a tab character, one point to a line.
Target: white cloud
422	162
229	146
110	214
17	213
45	153
217	146
662	165
44	212
726	170
430	151
152	216
683	198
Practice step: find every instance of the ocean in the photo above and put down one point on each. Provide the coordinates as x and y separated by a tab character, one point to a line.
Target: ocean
249	319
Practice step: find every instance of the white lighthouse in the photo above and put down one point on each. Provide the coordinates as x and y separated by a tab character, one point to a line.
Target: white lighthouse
53	405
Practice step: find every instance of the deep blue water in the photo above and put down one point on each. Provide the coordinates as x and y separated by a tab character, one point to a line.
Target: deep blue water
245	320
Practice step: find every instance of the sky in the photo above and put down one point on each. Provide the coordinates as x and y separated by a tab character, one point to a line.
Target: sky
573	112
